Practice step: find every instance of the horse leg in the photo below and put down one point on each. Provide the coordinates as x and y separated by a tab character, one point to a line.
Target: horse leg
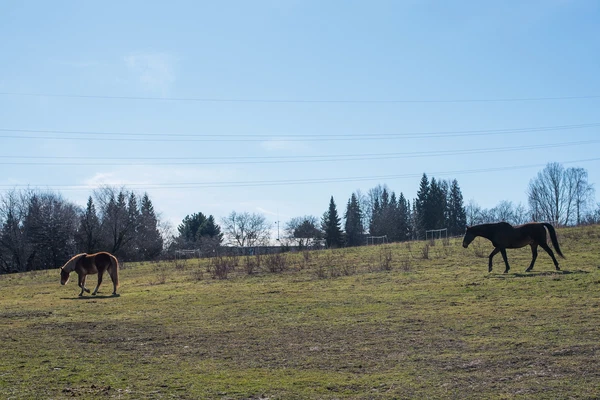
115	280
492	254
549	251
534	253
82	284
100	273
503	251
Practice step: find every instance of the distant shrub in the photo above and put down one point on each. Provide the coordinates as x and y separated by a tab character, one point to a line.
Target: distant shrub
220	267
162	271
425	252
385	259
405	264
251	264
198	273
276	262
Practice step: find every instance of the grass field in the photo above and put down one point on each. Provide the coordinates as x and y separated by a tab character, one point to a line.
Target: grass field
378	322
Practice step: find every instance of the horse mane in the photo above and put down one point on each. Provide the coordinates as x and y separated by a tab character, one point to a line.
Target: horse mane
72	263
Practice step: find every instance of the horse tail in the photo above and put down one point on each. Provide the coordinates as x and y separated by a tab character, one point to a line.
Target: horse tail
114	270
553	238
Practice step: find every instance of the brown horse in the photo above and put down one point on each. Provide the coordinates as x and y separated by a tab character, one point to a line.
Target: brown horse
88	264
504	236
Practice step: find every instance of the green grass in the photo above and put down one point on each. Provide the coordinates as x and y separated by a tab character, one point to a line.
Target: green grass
334	324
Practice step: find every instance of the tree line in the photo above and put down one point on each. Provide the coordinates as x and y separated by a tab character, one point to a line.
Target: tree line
382	213
40	230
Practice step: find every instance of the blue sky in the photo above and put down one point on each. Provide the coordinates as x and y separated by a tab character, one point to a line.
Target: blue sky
213	91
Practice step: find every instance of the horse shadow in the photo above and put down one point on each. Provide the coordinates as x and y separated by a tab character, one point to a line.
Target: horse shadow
535	274
96	297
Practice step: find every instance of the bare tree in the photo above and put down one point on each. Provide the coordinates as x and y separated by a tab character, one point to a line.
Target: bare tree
473	211
504	211
246	229
14	249
556	193
520	214
583	191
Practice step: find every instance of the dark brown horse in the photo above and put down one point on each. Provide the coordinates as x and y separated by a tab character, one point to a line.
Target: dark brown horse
504	236
88	264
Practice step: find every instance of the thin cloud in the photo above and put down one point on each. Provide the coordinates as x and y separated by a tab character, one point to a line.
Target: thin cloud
154	71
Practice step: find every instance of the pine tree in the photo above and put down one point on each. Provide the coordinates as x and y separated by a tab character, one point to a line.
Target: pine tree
115	222
403	218
420	205
457	215
332	226
131	248
212	230
198	231
374	227
190	229
88	234
354	227
150	240
435	209
392	220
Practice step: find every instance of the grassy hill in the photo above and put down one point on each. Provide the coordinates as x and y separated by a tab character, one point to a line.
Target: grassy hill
379	322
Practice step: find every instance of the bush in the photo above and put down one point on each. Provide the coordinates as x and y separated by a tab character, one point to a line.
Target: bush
220	267
425	252
276	262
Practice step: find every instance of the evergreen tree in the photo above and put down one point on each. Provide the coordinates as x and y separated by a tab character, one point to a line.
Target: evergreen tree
190	229
49	226
198	231
375	218
457	215
212	230
304	230
115	222
88	234
392	222
435	209
150	241
131	249
420	206
332	226
353	226
403	220
385	198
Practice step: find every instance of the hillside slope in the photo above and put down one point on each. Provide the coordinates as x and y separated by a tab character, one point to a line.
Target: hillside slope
395	321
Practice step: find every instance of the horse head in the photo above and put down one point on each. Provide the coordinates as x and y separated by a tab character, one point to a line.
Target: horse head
64	276
69	267
469	237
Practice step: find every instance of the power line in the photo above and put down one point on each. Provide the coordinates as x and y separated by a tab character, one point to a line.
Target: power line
285	182
300	101
279	159
179	137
